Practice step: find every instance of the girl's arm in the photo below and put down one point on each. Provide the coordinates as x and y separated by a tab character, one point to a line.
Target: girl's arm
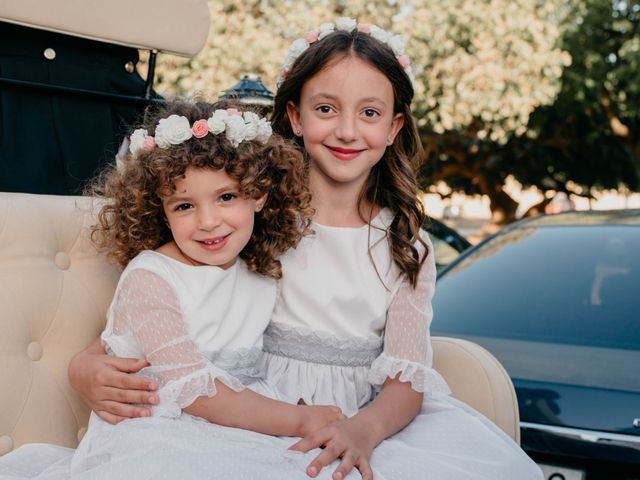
404	369
105	384
251	411
146	317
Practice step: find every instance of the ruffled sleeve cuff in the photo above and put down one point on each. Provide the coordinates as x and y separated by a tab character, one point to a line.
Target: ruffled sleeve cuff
423	379
178	394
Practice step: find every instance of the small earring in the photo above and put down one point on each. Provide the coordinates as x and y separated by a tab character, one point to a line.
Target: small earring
299	132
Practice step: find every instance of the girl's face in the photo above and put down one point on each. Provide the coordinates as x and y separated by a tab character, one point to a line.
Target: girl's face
346	119
211	222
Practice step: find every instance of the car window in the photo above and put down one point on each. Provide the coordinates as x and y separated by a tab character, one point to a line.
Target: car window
444	253
574	289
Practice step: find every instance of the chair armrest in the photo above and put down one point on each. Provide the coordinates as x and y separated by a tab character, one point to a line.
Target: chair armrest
478	379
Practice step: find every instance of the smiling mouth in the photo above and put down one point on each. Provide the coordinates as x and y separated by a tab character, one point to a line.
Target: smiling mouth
214	243
342	153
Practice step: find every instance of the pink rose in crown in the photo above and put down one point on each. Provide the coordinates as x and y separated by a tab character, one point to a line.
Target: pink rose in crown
311	36
149	143
404	61
233	111
200	128
364	28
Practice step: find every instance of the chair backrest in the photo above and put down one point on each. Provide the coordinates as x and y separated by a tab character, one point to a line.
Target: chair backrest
54	293
478	379
179	27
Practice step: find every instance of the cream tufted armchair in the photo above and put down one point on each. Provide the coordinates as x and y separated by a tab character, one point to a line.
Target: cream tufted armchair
54	293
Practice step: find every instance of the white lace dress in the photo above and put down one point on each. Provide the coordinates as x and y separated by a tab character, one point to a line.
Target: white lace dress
343	323
194	325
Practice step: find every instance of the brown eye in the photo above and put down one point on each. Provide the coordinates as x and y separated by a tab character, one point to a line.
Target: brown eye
227	197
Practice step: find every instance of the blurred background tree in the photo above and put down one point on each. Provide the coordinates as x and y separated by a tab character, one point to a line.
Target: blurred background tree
545	91
589	138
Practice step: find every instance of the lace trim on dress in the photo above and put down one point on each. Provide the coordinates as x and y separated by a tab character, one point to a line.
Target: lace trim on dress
180	393
320	347
423	379
241	362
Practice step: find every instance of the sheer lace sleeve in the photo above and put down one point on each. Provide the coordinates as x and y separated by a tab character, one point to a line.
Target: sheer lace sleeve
146	318
407	341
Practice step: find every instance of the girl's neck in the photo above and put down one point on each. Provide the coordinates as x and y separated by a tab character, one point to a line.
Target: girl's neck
338	207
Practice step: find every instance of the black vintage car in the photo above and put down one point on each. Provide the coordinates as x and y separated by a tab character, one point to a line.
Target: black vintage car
557	300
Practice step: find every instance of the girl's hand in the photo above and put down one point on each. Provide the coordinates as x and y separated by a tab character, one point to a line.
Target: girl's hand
315	417
348	439
105	385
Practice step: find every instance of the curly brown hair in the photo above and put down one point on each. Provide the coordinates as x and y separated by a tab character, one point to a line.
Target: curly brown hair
133	220
392	181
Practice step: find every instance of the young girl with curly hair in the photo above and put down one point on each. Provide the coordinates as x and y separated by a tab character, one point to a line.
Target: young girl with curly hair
198	213
351	322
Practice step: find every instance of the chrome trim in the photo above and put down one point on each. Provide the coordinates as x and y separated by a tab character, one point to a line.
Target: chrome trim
593	436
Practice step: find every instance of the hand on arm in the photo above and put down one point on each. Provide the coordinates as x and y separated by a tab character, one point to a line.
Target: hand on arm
105	385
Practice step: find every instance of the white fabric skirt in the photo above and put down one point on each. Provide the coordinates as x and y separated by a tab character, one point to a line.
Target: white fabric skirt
447	440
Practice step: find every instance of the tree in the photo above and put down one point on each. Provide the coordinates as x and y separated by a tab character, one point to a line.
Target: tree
487	65
590	136
586	138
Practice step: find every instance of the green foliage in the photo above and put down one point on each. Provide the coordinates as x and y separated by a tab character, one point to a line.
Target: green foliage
588	137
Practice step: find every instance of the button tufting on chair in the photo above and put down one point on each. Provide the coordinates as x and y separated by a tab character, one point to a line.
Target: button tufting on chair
6	444
62	260
34	351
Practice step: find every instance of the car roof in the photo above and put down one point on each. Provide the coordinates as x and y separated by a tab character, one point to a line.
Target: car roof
586	217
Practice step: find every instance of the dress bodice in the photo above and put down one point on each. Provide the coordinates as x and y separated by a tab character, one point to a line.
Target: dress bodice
339	281
222	309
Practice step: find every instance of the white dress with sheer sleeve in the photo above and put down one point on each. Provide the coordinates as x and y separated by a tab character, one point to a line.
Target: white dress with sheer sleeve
344	322
194	325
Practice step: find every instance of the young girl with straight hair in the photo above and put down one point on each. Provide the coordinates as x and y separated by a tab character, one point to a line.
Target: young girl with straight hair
351	322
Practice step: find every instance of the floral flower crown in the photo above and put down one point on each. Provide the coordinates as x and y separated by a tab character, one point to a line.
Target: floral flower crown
238	126
395	42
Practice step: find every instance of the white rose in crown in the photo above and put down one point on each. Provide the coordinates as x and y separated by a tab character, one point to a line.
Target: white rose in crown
397	44
136	141
379	34
264	131
288	62
235	129
325	29
172	131
251	125
346	24
217	121
297	47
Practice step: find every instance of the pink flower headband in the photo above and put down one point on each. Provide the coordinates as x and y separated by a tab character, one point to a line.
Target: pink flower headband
395	42
175	129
